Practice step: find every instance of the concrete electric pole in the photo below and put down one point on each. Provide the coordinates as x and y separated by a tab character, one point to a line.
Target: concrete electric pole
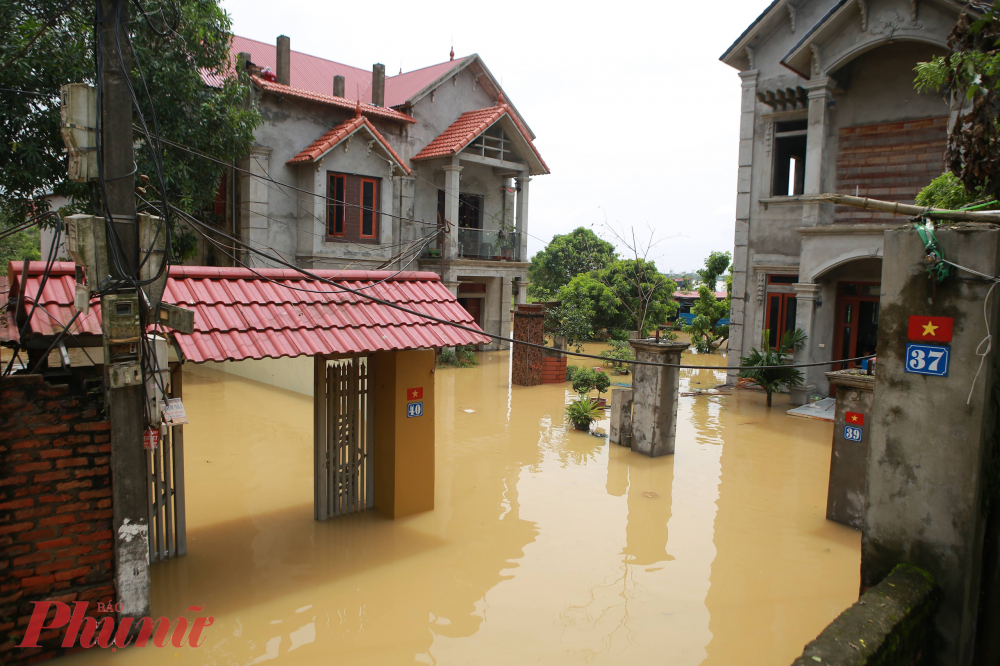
125	402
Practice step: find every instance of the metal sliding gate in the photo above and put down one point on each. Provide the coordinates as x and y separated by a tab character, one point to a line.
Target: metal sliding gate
165	488
344	434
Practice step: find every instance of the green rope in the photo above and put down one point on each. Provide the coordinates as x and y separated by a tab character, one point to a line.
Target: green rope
937	269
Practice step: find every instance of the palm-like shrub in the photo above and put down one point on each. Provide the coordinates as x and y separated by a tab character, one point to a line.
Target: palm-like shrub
582	412
773	378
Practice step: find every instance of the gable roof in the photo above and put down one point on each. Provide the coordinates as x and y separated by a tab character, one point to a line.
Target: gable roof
341	102
241	314
751	29
324	144
470	125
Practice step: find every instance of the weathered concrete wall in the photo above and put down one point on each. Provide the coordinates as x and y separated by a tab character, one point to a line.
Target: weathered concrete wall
293	374
929	449
655	392
890	625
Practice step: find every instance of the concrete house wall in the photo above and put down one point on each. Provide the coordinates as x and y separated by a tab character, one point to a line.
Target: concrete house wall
867	132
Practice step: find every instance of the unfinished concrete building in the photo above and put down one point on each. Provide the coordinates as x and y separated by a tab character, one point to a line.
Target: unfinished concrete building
828	105
379	162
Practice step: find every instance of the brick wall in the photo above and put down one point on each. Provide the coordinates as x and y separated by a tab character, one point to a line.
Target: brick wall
526	362
55	505
888	161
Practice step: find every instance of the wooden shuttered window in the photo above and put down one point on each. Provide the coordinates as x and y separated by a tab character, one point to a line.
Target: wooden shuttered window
357	218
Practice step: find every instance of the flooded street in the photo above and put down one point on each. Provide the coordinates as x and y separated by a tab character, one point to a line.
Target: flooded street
547	545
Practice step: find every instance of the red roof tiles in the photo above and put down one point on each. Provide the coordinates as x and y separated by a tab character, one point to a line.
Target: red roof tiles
339	133
467	127
342	102
239	315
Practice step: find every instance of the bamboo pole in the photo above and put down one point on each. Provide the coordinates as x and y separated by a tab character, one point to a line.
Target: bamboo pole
903	209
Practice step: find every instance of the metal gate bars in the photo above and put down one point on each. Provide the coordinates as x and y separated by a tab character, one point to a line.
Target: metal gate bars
344	432
165	488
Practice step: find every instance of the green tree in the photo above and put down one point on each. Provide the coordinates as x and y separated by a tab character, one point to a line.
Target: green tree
572	320
50	42
707	311
971	74
947	191
644	295
715	265
568	255
588	294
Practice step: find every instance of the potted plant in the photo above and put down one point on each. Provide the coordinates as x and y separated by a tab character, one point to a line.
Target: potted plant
602	382
584	381
582	412
771	379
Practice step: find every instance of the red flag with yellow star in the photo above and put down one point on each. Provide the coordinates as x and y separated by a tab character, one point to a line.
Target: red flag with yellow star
930	329
854	418
415	393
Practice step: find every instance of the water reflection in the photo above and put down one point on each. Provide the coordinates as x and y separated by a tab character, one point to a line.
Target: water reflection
546	543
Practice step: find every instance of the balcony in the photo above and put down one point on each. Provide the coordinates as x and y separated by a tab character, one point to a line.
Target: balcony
482	244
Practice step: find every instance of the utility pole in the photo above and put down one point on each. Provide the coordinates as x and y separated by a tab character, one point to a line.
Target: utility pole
124	403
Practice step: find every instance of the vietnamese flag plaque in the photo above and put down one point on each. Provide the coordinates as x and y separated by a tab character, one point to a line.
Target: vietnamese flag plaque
930	329
854	419
415	393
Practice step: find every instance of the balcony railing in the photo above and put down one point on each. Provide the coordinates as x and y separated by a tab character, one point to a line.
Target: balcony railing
488	244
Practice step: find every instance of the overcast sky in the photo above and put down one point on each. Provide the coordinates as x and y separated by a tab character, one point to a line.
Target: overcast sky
635	115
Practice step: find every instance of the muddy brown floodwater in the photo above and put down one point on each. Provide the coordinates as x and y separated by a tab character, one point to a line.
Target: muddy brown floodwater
548	545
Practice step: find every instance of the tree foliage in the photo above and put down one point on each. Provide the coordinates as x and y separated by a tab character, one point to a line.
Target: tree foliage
586	293
572	320
707	311
715	265
971	73
567	256
49	43
643	293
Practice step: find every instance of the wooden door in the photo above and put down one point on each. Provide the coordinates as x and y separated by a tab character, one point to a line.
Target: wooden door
856	323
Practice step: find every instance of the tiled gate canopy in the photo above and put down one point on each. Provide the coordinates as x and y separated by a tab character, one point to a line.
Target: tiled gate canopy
268	313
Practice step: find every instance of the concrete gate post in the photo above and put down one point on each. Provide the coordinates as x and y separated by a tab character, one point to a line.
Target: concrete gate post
620	431
654	395
845	497
928	499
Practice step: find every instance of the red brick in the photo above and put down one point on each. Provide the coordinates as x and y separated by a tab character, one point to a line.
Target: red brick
58	565
91	494
40	418
32	467
49	499
71	462
29	444
73	551
56	520
51	476
18	503
13	481
34	558
103	438
56	405
34	581
70	508
73	573
70	440
69	485
91	471
16	527
88	427
96	536
36	535
91	559
56	453
50	429
34	512
55	543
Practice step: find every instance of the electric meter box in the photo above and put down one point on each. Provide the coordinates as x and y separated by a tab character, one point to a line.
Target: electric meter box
120	319
86	243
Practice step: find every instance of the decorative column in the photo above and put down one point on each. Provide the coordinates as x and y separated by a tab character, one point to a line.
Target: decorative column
506	287
253	194
805	309
522	217
451	188
820	95
748	106
655	392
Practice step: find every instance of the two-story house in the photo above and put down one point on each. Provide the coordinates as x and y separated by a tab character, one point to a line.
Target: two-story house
828	105
380	164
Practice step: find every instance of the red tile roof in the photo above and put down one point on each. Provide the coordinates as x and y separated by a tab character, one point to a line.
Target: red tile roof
342	102
467	127
239	315
339	133
315	74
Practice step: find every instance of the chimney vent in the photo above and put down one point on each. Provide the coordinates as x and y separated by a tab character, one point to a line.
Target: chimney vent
338	86
378	84
284	60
